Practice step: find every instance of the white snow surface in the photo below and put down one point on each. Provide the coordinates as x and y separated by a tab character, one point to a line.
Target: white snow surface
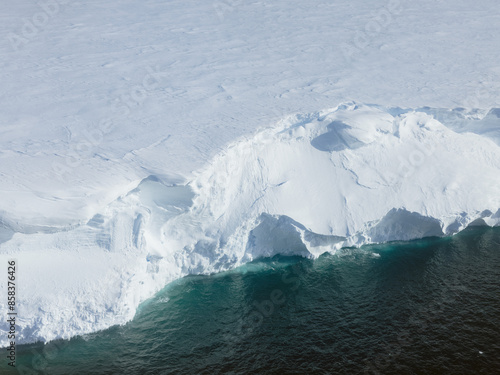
144	141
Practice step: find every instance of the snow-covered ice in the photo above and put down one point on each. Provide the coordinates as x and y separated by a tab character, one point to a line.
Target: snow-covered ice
347	176
143	141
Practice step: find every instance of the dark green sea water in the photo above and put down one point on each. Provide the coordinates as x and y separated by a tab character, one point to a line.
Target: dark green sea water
425	307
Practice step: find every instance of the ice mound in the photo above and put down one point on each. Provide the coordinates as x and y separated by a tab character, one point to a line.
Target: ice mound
348	176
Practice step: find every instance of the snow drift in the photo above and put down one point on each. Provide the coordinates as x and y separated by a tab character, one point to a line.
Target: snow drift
347	176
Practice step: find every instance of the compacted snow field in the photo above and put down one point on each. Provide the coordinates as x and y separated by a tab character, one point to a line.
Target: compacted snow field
144	141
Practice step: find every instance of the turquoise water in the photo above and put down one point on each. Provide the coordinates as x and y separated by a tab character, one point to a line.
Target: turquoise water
424	307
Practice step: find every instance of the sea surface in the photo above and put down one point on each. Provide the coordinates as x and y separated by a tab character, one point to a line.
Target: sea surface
430	306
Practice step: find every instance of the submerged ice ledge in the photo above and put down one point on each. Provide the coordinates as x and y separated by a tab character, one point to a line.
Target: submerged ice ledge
348	176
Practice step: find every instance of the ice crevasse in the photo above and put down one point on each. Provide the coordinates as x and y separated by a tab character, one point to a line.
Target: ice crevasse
313	183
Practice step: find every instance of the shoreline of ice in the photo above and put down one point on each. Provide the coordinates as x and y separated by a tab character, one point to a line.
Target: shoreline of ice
352	175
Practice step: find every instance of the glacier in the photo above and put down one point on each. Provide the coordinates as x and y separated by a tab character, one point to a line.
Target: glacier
144	141
312	183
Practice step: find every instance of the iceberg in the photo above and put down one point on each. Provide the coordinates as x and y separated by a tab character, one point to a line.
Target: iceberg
312	183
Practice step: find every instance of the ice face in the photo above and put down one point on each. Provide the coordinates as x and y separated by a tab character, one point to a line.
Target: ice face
284	190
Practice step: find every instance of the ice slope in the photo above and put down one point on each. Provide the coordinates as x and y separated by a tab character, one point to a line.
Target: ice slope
313	183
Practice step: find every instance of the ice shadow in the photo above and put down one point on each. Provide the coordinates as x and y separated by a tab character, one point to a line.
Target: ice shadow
336	138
